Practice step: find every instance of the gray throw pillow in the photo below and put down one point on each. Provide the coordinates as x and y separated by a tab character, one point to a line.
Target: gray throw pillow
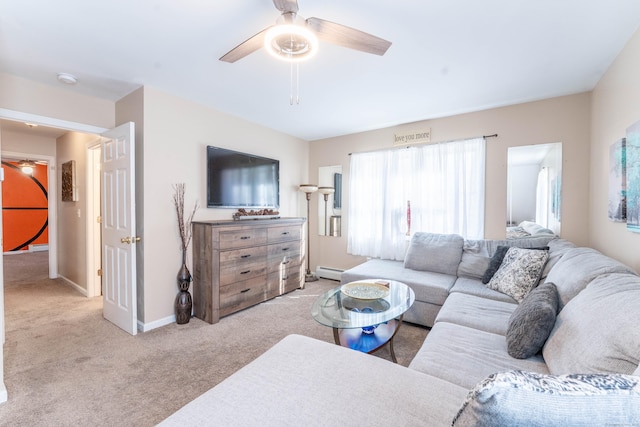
519	272
439	253
532	321
517	398
494	263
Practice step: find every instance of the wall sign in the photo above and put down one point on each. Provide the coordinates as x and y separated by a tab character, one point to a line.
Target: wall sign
414	137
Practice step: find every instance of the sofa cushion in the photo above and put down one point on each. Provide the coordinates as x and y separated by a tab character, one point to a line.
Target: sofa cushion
519	398
465	285
494	263
519	272
597	331
439	253
557	249
428	286
464	356
534	229
532	321
478	313
303	381
578	267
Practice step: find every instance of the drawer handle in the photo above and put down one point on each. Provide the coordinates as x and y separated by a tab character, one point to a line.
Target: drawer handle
245	237
286	262
245	272
285	249
245	290
245	256
285	277
284	233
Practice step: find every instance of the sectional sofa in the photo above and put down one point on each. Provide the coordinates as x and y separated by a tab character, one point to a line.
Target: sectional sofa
551	338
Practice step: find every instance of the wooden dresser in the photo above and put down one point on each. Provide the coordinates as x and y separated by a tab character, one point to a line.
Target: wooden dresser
237	264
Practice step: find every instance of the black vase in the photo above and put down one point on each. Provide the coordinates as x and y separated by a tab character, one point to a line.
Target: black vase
183	302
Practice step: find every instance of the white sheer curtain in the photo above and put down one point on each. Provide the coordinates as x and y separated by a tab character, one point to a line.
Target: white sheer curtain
444	183
542	198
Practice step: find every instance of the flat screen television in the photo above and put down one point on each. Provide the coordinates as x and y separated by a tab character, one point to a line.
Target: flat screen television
241	180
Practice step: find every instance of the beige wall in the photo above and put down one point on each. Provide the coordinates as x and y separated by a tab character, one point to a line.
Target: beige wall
564	119
615	106
26	96
175	135
18	142
72	216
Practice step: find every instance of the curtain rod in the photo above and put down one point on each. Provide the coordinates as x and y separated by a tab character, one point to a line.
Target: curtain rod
495	135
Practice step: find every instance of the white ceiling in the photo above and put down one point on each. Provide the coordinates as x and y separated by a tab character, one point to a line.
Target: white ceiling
447	56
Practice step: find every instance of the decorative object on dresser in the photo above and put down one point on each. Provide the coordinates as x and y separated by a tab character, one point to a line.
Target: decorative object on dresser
308	189
183	303
237	264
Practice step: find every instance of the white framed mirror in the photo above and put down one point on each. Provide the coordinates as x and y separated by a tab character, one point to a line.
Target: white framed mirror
330	201
534	190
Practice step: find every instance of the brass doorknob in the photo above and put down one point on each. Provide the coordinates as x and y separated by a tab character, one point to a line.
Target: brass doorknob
126	240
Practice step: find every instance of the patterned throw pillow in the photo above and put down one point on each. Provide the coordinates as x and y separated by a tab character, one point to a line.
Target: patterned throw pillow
519	272
518	398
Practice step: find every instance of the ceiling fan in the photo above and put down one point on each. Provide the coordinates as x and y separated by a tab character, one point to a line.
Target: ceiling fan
294	38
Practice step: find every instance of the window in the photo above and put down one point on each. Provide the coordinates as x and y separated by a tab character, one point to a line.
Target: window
443	183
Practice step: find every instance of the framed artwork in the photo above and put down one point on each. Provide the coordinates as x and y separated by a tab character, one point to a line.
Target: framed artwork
617	209
633	177
69	192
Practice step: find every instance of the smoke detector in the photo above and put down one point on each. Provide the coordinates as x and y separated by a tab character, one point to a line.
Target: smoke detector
67	78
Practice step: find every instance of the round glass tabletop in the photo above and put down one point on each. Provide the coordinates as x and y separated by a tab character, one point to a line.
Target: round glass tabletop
335	308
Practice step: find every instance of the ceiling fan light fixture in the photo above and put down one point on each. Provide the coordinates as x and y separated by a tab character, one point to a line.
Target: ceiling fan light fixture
27	166
291	42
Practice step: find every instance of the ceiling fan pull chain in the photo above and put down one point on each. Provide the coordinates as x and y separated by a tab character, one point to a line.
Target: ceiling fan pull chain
297	83
291	83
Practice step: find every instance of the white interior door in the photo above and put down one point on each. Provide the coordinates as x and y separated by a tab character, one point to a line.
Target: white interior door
118	228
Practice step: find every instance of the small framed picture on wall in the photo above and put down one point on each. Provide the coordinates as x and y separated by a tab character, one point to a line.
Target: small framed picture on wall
69	190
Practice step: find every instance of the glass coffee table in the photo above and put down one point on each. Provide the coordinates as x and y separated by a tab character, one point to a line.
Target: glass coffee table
365	315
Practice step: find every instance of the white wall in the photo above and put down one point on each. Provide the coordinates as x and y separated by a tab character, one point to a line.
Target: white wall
615	106
522	183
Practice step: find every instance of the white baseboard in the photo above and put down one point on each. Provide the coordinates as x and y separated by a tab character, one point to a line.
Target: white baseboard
146	327
74	285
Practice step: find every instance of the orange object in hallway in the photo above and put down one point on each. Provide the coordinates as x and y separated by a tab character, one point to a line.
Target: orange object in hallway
24	207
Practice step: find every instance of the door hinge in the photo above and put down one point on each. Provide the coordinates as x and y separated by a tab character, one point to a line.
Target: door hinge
100	272
99	219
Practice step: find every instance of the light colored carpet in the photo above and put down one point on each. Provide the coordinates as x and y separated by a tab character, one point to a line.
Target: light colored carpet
65	365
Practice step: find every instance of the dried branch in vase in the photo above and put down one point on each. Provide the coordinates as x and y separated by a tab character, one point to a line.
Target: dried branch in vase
184	224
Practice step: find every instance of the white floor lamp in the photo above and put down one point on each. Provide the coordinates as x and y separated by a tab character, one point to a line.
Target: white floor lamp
308	189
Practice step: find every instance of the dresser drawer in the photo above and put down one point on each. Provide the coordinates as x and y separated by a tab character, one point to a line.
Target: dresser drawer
284	251
240	295
291	280
242	264
283	234
242	238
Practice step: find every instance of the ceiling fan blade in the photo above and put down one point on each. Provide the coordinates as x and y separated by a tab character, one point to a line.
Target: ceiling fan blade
245	48
285	6
342	35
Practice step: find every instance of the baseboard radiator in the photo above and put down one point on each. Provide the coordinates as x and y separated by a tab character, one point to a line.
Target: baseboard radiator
329	273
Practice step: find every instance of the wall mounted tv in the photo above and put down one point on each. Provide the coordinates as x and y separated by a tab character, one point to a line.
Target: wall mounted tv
241	180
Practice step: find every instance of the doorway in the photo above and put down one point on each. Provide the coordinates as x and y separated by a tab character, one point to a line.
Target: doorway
51	208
